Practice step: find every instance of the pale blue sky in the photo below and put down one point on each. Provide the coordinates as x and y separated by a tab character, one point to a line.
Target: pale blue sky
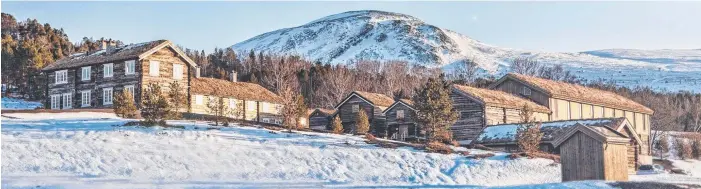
547	26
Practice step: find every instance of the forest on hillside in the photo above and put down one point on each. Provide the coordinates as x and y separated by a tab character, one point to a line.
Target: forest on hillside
28	46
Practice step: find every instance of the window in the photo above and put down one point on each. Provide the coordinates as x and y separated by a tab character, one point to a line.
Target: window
85	73
67	100
400	114
107	69
355	108
129	89
61	76
265	106
177	71
129	67
232	103
55	102
153	68
107	96
526	91
85	98
199	100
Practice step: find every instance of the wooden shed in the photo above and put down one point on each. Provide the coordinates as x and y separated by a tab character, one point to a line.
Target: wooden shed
372	103
401	124
593	153
320	118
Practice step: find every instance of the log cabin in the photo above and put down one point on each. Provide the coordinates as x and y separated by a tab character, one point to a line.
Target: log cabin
478	108
570	101
89	80
503	137
372	103
400	121
320	119
244	101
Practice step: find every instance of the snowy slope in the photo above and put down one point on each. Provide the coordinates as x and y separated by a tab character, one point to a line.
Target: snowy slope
378	35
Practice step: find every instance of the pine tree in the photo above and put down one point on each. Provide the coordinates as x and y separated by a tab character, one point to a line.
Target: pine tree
216	107
362	123
124	105
178	99
155	106
336	125
435	113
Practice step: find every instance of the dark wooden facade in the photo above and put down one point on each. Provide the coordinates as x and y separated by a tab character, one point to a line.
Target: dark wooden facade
162	51
320	120
402	127
373	111
471	116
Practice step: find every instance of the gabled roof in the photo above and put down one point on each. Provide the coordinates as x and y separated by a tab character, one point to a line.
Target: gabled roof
372	98
568	91
405	102
133	51
499	98
324	111
237	90
601	134
506	133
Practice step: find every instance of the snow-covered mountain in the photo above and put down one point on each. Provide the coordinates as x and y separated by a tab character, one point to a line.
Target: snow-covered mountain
378	35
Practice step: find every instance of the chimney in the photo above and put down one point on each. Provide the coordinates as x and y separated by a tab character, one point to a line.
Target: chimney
233	77
103	46
111	45
197	72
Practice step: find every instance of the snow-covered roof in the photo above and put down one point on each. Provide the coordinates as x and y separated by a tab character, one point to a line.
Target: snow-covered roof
506	133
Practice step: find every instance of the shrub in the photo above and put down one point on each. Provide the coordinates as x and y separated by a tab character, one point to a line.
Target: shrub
443	135
178	99
528	137
684	150
336	126
124	105
437	147
482	156
696	147
362	122
155	106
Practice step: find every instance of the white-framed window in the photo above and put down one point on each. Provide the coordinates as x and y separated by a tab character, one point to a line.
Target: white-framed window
199	99
85	98
232	103
153	68
61	76
108	69
107	96
129	89
400	114
265	106
85	73
355	108
177	71
55	102
67	100
526	91
129	67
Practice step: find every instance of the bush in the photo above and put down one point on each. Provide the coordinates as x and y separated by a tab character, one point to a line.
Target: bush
362	122
528	137
336	126
124	105
696	147
443	135
482	156
684	150
155	106
437	147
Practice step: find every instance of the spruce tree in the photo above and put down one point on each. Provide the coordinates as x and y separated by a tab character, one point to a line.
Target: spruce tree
336	125
155	106
178	99
362	123
124	105
434	109
301	108
528	135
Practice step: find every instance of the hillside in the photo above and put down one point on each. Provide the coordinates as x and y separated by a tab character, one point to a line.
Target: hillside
377	35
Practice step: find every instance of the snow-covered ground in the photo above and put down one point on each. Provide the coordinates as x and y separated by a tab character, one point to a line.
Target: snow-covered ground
93	150
18	104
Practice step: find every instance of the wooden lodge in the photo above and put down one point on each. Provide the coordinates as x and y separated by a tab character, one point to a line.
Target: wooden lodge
246	101
571	102
478	108
90	80
320	119
594	153
400	121
372	103
503	137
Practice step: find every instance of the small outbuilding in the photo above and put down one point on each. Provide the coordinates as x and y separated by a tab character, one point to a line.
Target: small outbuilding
320	118
593	153
401	123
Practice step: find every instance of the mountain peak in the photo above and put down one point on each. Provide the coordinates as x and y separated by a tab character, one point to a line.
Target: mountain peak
372	15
